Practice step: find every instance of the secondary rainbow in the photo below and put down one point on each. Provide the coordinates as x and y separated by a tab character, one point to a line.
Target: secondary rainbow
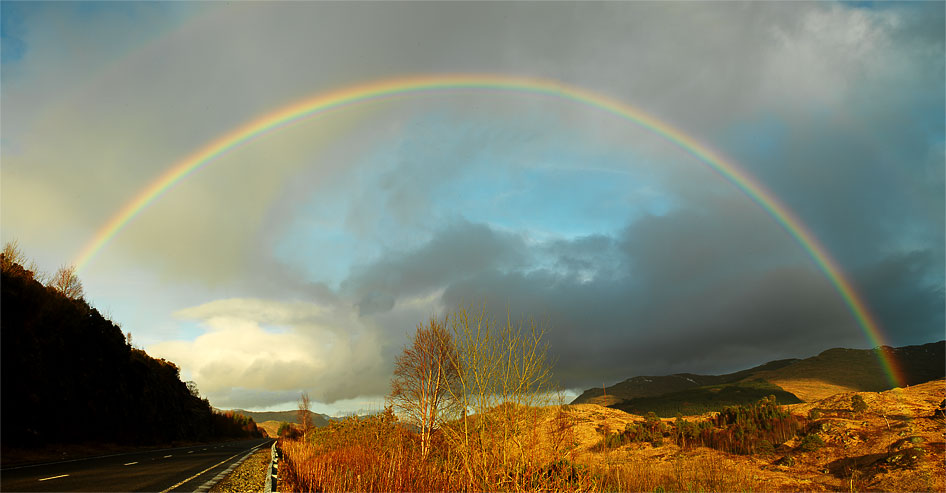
408	86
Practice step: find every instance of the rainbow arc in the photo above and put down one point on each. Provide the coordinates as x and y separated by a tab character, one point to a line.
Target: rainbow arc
407	86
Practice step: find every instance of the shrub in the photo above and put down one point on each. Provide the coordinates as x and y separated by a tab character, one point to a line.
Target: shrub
786	461
857	404
286	430
613	440
371	453
810	443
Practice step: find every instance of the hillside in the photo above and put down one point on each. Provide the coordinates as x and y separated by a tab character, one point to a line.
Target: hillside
69	376
709	398
652	386
318	420
270	427
832	371
896	444
856	370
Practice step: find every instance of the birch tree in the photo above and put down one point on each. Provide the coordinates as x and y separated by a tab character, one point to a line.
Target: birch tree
423	376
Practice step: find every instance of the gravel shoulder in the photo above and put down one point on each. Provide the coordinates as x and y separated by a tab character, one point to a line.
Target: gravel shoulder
249	476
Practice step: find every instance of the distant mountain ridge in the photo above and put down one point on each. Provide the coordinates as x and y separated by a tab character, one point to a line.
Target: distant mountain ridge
831	371
318	420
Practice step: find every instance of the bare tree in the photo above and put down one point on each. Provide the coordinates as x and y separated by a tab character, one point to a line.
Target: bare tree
305	416
423	375
66	282
13	255
503	377
191	385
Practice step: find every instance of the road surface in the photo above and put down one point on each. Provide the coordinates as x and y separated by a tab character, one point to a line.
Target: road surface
177	469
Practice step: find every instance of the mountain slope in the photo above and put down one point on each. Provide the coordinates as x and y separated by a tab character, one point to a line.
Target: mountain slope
832	371
653	386
709	398
857	370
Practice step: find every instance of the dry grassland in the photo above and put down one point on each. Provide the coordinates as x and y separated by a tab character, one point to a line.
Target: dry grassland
897	444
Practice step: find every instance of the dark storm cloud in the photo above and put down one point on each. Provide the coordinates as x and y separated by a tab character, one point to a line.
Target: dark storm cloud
462	250
905	292
866	173
706	290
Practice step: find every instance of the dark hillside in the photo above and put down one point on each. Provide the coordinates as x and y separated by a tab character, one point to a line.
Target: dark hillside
858	370
68	376
711	398
653	386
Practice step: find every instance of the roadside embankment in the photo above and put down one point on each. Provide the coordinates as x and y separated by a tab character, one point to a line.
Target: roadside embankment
248	476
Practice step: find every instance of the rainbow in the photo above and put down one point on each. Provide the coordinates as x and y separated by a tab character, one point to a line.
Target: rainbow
407	86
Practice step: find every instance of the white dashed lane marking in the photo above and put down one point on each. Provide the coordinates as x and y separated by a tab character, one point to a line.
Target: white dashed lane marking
54	477
166	456
131	463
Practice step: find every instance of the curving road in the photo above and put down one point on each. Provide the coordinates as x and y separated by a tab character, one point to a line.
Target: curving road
177	469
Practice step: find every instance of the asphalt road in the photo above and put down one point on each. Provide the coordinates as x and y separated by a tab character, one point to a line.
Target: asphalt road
177	469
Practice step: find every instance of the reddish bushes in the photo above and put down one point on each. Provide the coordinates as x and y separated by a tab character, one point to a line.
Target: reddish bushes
363	454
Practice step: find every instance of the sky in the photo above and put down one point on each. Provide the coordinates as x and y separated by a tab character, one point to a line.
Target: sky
303	260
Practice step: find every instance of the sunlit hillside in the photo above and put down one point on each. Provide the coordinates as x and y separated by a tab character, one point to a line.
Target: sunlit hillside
828	373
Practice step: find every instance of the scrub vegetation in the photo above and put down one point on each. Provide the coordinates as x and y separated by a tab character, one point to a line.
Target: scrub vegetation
471	410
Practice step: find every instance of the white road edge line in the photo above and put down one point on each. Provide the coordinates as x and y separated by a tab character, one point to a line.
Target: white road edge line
54	477
205	470
131	463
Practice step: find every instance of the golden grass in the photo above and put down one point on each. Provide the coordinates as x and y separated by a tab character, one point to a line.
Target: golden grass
869	451
358	467
810	389
377	455
701	473
362	454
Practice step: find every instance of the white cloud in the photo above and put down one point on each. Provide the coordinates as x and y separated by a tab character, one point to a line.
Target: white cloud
265	346
817	60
